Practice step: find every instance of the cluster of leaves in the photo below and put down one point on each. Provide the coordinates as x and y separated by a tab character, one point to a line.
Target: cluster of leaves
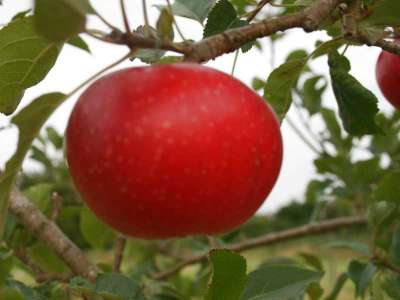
85	230
355	186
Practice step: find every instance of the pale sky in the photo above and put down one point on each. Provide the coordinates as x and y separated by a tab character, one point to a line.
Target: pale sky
74	66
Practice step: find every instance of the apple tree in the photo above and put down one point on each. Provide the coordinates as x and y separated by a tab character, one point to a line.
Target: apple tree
149	193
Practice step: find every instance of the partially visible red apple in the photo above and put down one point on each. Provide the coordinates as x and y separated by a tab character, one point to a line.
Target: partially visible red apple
173	150
388	76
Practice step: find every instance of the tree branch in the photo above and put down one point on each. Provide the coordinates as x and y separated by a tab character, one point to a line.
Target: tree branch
49	233
214	46
40	275
309	19
232	39
273	238
120	244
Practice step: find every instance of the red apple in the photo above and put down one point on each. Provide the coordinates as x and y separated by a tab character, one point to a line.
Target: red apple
173	150
388	76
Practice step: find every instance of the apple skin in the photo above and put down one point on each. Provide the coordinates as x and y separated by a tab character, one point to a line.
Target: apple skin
388	76
173	150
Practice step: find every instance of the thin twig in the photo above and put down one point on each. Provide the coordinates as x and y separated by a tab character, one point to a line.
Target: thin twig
103	38
145	14
301	135
307	126
389	266
21	254
120	244
40	275
273	238
108	24
105	69
212	242
125	17
235	62
255	12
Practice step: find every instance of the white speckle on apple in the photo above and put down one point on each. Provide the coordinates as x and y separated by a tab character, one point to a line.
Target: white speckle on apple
128	125
139	131
204	108
109	151
166	124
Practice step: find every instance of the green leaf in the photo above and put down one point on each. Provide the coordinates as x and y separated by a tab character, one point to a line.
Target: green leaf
46	259
165	25
380	213
82	285
279	282
315	190
169	60
193	9
312	261
25	59
229	275
296	54
303	2
21	14
355	246
223	16
314	291
59	292
361	274
391	286
116	285
357	105
40	195
240	23
312	95
388	188
220	18
278	89
327	47
337	165
26	291
337	288
80	43
55	138
7	293
332	125
257	83
385	13
395	248
60	20
94	231
363	174
148	55
29	121
6	263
